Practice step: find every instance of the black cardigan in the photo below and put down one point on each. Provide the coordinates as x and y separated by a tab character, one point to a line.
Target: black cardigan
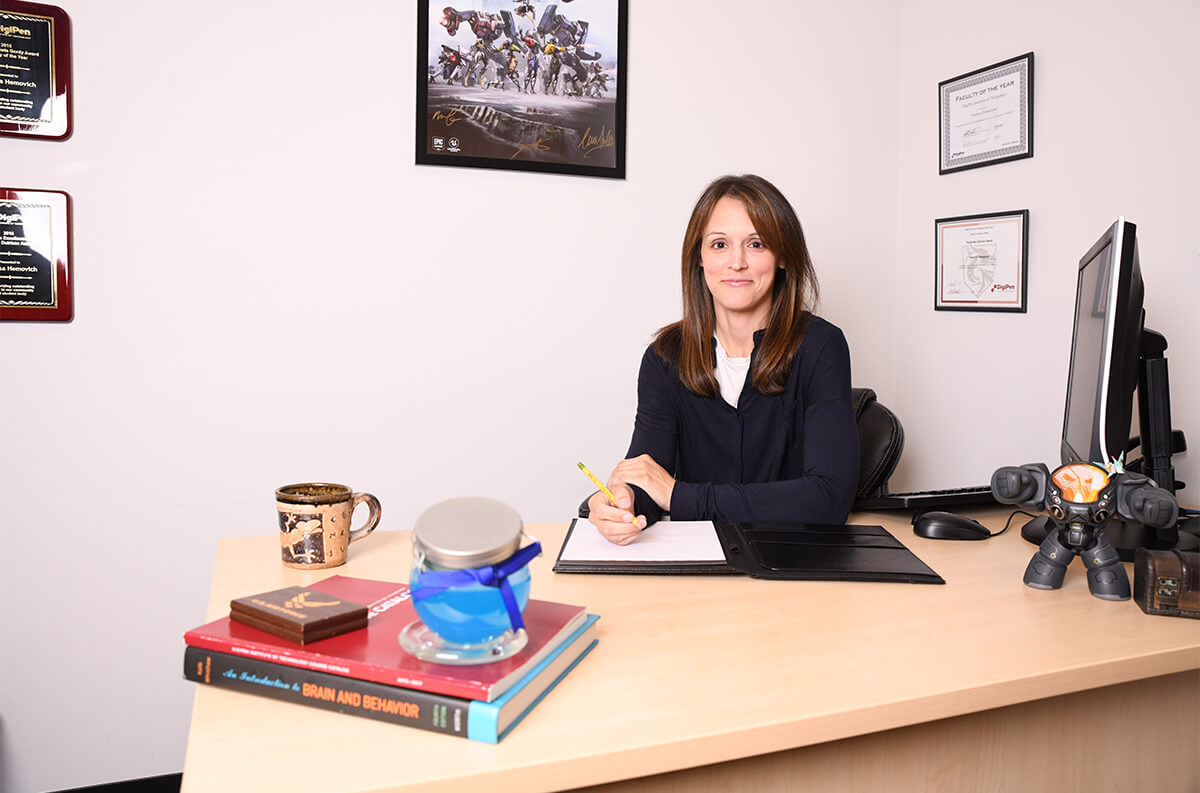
788	457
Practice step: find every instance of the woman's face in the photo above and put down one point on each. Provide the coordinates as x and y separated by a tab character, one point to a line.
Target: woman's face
738	269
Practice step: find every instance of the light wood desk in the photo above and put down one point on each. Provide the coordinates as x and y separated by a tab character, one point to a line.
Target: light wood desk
732	683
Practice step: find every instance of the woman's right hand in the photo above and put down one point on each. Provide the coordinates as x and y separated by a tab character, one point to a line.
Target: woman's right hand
617	524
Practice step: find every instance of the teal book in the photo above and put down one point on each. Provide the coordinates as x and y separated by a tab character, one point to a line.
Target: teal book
474	719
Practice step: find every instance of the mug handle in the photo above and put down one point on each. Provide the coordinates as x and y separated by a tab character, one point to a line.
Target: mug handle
372	518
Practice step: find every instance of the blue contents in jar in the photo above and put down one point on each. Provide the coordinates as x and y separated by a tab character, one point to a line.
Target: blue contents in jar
471	614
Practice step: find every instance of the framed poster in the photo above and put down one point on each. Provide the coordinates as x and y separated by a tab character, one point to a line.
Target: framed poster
982	262
528	85
35	255
986	116
35	70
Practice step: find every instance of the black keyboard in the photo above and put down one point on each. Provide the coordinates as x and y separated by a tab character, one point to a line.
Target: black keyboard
928	499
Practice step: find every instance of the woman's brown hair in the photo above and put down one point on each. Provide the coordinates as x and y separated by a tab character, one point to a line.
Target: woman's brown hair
688	342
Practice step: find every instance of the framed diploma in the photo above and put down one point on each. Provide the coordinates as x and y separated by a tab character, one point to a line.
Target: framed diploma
982	262
523	85
35	70
986	116
35	255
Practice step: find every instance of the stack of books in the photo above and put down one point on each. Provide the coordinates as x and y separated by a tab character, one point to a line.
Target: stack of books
365	672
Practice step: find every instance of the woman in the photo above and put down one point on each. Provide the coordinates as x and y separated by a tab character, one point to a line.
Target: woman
744	410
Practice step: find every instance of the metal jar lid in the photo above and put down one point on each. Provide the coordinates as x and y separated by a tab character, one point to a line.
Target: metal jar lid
468	532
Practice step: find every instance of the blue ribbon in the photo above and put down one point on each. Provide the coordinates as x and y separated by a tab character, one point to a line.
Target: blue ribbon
435	582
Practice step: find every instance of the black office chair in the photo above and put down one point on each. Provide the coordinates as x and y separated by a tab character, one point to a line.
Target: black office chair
880	442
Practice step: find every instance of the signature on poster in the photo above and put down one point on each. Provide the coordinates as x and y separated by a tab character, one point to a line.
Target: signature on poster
537	145
448	117
590	143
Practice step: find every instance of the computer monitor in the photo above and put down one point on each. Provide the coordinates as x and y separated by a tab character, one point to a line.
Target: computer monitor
1114	356
1105	348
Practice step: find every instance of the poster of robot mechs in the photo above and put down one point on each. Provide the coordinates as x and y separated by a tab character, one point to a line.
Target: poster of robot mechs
530	85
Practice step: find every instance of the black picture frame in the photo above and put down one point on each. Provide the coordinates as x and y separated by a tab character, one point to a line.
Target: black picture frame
471	113
981	262
985	117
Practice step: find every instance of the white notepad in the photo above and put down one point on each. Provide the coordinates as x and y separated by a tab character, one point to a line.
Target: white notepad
665	541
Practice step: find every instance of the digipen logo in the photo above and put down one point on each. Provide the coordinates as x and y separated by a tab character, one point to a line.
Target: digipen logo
454	144
1003	287
439	144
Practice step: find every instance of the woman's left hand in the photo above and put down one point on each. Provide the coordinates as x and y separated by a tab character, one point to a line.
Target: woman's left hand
647	474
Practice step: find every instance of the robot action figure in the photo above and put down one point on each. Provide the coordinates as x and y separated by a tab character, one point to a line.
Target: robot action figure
1080	499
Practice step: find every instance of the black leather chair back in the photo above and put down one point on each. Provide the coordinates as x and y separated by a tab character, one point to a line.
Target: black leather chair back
881	442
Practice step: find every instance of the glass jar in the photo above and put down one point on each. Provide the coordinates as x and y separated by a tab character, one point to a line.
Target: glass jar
469	582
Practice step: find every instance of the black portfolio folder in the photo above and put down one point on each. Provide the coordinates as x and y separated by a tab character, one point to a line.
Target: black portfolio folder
785	551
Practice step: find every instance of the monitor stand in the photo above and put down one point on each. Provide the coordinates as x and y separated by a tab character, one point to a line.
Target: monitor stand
1035	530
1189	534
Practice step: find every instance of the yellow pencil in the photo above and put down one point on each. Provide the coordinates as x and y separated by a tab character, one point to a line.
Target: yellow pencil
599	484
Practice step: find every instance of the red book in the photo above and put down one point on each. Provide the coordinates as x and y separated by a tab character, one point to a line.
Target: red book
374	653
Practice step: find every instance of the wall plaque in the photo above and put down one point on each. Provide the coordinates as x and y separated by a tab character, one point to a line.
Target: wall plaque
35	258
35	70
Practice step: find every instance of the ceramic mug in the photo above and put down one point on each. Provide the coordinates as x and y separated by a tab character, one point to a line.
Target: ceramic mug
314	523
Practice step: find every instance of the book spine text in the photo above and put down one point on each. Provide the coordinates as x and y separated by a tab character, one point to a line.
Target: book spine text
371	700
346	669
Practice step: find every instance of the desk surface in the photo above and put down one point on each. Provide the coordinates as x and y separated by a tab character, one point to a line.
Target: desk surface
717	668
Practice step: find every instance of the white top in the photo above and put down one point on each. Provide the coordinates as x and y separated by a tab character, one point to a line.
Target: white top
731	374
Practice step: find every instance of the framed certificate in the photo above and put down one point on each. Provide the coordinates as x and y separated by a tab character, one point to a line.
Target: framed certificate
522	85
982	262
35	70
35	255
986	116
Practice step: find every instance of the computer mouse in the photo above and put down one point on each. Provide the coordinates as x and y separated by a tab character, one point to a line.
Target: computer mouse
948	526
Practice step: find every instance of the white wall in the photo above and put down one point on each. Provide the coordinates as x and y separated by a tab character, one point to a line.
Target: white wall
268	291
1115	116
